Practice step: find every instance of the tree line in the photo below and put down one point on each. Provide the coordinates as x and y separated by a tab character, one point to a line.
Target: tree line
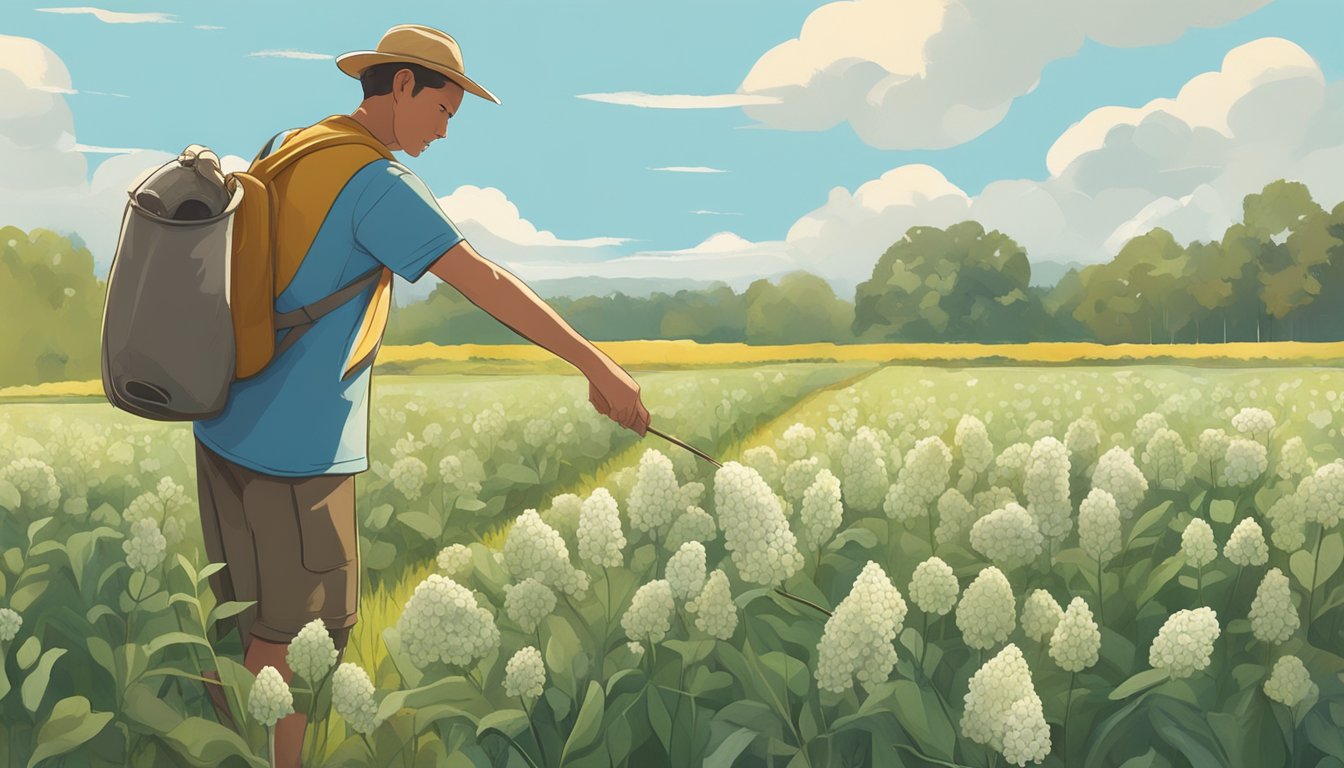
1272	276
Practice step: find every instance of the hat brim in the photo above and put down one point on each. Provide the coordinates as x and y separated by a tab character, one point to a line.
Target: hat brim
354	63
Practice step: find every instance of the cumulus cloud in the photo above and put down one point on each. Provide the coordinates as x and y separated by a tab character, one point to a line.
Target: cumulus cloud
115	17
1183	163
44	176
930	74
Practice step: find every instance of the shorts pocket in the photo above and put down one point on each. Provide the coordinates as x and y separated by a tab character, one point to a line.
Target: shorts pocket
327	530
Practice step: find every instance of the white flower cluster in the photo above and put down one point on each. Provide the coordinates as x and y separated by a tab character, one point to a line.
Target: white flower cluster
563	515
922	478
987	501
987	613
10	621
312	652
442	621
1321	494
1083	439
1165	459
1010	467
955	515
695	524
1099	526
864	470
799	476
528	602
455	561
1026	735
796	442
538	432
408	475
461	472
142	506
1273	616
270	698
1295	460
655	498
1046	487
934	587
1185	642
600	539
754	527
35	481
1009	537
146	547
1212	450
1288	523
1147	426
1040	615
858	638
535	549
1256	422
1075	644
525	674
650	613
1245	461
1117	474
686	570
994	691
352	698
972	441
822	511
764	460
1290	682
1246	545
1197	543
716	613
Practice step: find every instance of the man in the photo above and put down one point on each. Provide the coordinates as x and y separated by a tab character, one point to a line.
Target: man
276	469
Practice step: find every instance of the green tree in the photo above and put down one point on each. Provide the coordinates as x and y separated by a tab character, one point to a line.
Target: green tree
802	309
51	306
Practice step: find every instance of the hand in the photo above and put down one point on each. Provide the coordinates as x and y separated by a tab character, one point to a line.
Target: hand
614	394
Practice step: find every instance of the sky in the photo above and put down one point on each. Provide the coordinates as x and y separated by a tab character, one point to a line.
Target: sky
713	140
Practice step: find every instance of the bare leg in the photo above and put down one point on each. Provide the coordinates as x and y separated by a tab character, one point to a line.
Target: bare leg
289	730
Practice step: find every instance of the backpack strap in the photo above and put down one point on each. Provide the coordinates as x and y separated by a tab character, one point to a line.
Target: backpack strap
301	319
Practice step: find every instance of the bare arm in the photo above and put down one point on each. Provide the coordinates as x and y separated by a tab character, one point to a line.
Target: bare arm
495	290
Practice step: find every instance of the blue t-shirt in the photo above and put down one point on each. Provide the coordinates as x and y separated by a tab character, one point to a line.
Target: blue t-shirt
297	417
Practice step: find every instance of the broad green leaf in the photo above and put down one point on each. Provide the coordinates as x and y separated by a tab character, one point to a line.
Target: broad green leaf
1160	576
510	721
659	717
36	526
447	690
70	724
426	525
174	638
726	754
187	568
28	652
35	685
378	518
209	570
228	608
205	744
14	560
9	496
517	473
378	555
1147	521
1141	681
1222	511
588	725
864	537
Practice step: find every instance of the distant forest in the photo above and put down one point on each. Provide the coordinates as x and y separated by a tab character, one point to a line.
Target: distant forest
1273	276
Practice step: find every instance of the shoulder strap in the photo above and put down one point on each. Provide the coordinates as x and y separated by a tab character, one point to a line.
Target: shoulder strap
301	319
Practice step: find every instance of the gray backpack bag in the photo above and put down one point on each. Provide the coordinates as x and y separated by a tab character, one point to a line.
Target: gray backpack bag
168	346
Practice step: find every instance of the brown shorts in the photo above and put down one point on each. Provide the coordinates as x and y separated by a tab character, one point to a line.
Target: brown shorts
290	543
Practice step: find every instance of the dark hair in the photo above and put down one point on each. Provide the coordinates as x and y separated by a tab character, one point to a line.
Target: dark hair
377	79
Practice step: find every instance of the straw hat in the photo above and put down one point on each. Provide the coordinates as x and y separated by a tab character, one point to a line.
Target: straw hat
416	44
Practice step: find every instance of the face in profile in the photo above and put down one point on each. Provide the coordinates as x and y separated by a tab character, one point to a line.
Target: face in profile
422	118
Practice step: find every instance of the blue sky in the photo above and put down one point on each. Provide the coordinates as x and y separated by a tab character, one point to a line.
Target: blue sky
577	167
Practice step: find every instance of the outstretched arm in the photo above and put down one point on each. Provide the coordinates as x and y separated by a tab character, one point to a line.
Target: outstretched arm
497	291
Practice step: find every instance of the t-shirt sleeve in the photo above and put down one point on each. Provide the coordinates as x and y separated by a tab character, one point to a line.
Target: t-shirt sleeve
398	221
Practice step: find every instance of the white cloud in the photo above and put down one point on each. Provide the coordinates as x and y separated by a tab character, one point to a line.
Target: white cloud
688	169
47	182
70	91
715	213
115	17
678	101
206	26
930	74
291	55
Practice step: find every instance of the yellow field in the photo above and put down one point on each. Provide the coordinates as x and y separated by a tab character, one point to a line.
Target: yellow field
476	358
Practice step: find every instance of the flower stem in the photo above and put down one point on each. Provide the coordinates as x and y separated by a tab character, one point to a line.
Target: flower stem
1068	709
541	751
1311	597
